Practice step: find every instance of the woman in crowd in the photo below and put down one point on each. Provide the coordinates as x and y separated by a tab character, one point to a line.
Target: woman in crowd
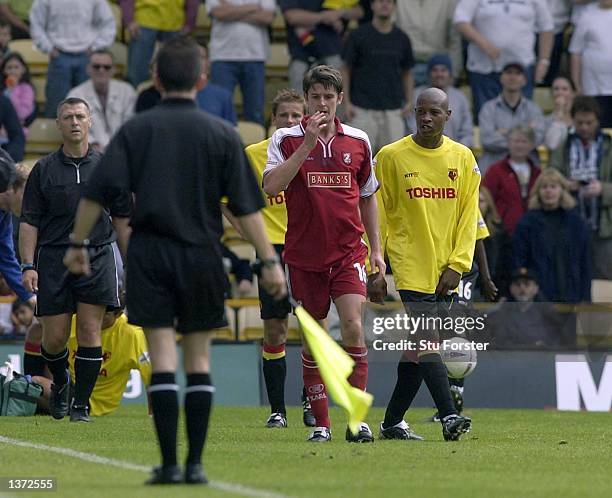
559	123
552	240
17	87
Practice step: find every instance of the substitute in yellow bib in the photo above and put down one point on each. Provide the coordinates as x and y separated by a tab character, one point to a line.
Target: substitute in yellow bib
124	348
429	193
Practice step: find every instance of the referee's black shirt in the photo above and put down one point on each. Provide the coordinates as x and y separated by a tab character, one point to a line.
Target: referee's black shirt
52	194
179	161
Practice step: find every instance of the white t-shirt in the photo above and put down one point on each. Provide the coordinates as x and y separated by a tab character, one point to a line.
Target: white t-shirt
592	39
511	25
237	40
523	172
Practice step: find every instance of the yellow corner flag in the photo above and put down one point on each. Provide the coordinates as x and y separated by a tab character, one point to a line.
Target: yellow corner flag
335	367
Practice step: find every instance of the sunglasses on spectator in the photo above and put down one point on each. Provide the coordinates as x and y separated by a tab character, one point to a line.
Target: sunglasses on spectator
106	67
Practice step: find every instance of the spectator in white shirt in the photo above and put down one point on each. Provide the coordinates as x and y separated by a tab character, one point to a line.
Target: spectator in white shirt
111	101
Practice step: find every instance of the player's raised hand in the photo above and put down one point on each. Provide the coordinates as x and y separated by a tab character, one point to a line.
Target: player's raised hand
77	261
449	280
315	124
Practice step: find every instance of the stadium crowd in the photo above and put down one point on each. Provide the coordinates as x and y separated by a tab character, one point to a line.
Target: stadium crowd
389	52
529	90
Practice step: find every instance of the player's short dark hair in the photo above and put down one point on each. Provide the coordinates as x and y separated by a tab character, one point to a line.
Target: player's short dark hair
72	101
327	76
583	103
178	64
284	96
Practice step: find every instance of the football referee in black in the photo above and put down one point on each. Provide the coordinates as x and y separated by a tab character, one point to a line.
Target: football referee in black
50	201
179	162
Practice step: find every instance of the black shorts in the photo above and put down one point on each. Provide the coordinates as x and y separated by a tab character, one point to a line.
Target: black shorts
270	307
59	290
171	284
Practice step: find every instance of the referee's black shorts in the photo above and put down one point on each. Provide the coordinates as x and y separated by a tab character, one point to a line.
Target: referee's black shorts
59	290
270	307
171	284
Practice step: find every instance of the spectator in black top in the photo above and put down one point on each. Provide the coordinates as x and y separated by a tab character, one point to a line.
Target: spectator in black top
14	132
314	35
50	200
179	162
377	77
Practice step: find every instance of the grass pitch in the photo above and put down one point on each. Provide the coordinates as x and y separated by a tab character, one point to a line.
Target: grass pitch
509	453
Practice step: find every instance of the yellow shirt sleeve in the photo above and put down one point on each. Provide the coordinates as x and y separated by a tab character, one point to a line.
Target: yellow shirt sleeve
462	254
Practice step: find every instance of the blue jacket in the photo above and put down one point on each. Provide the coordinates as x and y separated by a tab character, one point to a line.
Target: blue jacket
9	266
534	249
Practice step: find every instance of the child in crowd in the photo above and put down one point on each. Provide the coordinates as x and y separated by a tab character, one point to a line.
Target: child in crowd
17	87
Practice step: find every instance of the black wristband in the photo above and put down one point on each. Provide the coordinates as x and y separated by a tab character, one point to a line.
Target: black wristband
27	266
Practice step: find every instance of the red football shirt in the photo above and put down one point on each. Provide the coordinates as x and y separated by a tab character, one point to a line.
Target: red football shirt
324	223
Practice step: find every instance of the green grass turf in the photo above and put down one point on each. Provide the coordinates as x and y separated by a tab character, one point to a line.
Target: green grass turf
509	453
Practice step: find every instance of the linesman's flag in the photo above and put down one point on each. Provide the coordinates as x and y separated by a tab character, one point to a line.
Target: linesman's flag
335	367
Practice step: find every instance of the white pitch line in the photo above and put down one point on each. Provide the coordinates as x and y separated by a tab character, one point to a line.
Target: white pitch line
229	487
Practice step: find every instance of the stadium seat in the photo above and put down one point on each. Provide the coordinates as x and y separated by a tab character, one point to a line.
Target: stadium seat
251	133
120	57
37	61
116	10
203	24
543	97
277	64
279	29
251	326
477	147
601	291
39	83
43	138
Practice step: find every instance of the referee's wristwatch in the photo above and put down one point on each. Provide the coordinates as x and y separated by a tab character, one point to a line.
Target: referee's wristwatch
26	267
77	245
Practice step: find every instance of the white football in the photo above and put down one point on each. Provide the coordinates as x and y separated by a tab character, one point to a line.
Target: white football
458	356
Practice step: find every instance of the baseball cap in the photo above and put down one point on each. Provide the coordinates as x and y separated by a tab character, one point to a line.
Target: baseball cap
439	59
523	273
514	65
7	170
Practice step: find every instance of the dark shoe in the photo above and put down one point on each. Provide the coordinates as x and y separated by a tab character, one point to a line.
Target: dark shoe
364	435
457	398
308	417
165	475
194	474
454	426
320	435
276	421
59	399
79	414
399	431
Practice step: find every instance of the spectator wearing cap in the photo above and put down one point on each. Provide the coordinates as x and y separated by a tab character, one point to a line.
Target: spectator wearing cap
150	22
377	77
430	28
524	321
460	126
67	30
585	157
509	109
553	240
111	101
591	56
500	32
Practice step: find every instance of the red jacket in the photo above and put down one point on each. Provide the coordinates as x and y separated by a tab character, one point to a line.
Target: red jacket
502	182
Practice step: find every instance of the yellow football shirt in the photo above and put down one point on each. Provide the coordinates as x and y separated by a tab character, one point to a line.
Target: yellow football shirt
275	212
429	202
124	348
162	15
